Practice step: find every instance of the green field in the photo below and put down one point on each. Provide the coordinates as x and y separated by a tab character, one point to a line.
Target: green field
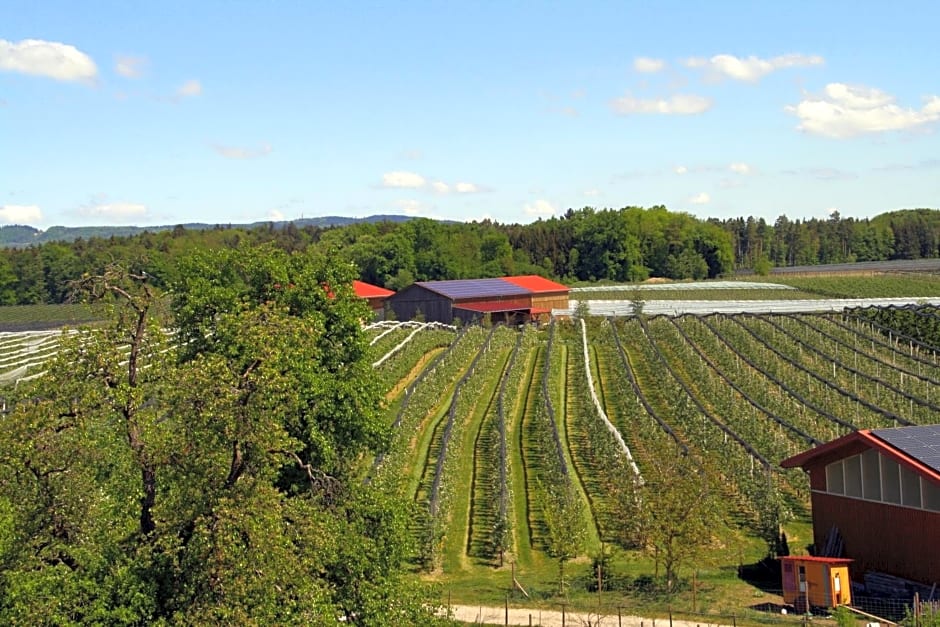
716	386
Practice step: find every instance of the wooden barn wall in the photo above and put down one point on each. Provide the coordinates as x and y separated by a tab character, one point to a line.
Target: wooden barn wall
897	540
550	301
516	300
436	308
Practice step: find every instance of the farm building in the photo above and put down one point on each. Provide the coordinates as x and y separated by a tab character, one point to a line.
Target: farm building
374	294
546	295
510	299
880	489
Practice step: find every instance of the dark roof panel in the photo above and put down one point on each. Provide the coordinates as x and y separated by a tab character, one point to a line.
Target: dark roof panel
921	442
474	288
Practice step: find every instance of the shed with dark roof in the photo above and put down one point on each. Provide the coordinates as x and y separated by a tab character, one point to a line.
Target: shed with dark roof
880	489
509	299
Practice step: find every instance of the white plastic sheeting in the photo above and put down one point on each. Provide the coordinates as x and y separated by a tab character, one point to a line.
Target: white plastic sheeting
704	307
600	408
679	287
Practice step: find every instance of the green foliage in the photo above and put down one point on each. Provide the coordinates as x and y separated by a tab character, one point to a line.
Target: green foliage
159	482
676	512
844	616
927	616
762	266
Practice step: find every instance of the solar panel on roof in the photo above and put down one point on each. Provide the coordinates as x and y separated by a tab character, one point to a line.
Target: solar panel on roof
474	288
921	442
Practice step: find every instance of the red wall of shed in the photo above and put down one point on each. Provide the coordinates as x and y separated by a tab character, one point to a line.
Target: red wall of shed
887	538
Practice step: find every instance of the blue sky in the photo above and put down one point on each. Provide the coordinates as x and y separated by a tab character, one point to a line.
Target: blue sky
226	112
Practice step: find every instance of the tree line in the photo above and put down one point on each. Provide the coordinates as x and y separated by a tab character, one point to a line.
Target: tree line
627	244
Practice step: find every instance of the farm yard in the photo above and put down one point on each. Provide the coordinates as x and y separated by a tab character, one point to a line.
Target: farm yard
641	451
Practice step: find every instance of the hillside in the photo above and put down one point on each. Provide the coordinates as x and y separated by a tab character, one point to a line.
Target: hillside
19	235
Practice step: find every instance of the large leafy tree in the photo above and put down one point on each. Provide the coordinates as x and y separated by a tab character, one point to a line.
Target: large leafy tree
206	473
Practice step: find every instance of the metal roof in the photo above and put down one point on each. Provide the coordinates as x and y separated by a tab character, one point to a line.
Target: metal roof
458	289
367	290
914	447
536	284
921	442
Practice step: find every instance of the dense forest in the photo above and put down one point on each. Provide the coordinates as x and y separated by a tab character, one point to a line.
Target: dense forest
629	244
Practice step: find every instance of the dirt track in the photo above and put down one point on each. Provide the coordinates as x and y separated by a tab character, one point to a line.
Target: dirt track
553	618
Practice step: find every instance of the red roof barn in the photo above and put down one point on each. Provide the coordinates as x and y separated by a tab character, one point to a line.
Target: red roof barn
881	489
374	294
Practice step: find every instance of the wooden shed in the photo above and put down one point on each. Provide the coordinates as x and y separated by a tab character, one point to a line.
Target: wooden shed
502	299
810	581
880	489
546	294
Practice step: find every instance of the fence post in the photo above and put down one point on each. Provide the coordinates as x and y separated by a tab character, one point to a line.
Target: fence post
507	610
670	617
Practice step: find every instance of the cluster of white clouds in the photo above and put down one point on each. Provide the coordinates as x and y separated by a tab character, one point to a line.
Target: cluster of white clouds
130	66
721	66
65	62
411	180
240	152
20	214
840	111
847	111
540	208
99	208
678	104
739	167
749	69
702	198
51	59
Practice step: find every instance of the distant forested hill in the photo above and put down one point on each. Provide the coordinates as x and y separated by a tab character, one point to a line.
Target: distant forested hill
18	235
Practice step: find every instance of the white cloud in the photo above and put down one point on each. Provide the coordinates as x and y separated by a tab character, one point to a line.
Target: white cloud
680	104
189	88
51	59
403	179
20	214
440	187
236	152
275	215
592	193
846	111
681	169
410	207
115	210
750	69
648	65
539	208
702	198
130	67
466	188
740	168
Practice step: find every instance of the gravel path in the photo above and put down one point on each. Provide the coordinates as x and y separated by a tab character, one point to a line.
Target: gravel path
553	618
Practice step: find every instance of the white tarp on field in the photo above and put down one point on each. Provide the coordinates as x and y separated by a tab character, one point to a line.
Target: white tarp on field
703	307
